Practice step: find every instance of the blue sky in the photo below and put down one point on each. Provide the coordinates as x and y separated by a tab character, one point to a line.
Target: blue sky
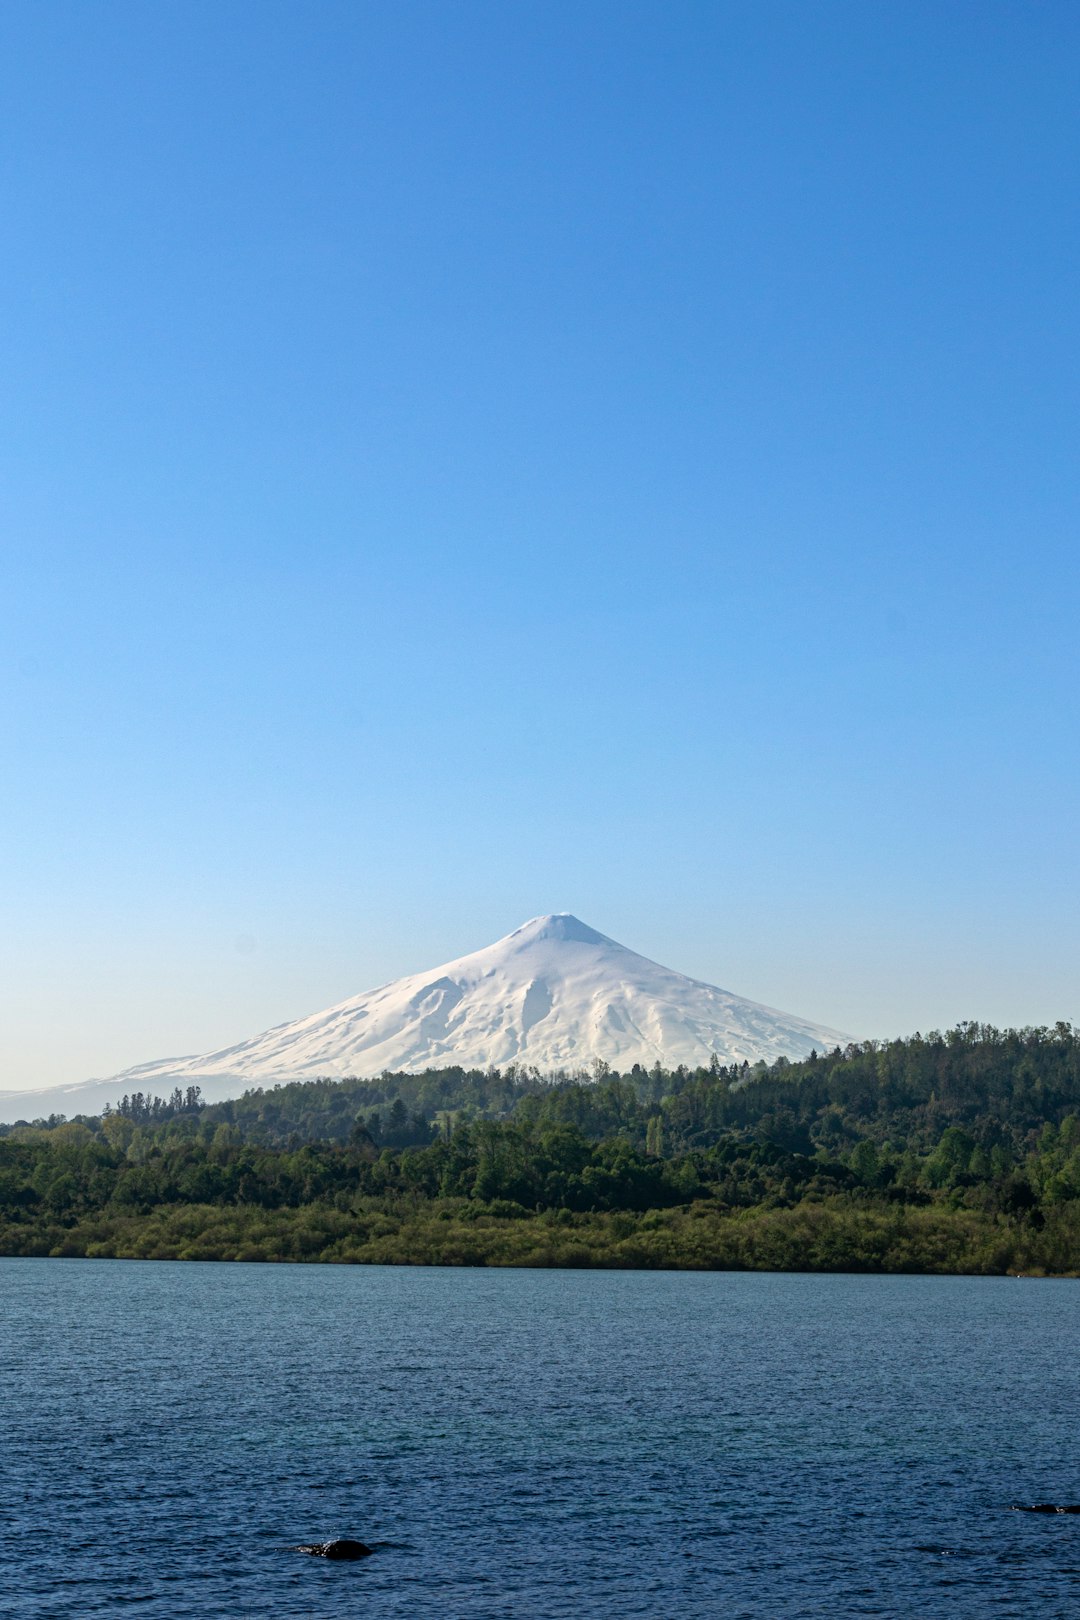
465	461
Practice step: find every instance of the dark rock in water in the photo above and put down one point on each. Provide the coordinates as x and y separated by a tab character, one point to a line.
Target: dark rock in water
336	1549
1046	1507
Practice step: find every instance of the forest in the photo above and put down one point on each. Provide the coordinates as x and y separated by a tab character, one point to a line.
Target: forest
950	1152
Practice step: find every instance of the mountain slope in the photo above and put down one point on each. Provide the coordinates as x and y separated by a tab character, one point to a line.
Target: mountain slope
554	994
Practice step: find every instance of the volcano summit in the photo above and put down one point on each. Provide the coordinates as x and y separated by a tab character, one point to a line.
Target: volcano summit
554	994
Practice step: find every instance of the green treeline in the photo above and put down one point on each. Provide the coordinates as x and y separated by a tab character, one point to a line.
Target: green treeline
946	1152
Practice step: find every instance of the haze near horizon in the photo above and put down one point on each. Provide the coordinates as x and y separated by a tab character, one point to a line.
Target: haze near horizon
460	464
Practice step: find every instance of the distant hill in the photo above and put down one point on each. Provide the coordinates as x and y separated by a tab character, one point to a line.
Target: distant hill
944	1152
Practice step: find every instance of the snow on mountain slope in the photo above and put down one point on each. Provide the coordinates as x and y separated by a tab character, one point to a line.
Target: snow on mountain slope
554	994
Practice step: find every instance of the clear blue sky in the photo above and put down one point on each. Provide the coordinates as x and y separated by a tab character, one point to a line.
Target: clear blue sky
460	461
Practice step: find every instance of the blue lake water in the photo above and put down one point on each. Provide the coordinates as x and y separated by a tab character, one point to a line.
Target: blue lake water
533	1444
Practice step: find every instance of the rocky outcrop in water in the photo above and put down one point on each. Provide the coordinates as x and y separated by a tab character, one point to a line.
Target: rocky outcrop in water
341	1548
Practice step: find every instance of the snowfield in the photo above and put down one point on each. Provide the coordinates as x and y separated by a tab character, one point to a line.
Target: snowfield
554	994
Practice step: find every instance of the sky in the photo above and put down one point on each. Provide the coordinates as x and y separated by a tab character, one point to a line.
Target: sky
465	461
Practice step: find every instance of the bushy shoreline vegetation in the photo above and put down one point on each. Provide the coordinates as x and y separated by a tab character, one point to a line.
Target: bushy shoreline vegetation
955	1152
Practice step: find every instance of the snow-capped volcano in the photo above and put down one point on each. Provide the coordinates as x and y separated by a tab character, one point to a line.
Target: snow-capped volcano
554	994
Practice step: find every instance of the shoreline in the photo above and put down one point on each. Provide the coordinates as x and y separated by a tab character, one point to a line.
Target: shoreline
825	1238
501	1265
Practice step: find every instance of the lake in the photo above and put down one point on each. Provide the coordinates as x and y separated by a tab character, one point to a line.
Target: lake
534	1444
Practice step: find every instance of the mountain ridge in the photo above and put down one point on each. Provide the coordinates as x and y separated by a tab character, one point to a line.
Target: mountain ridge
554	994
